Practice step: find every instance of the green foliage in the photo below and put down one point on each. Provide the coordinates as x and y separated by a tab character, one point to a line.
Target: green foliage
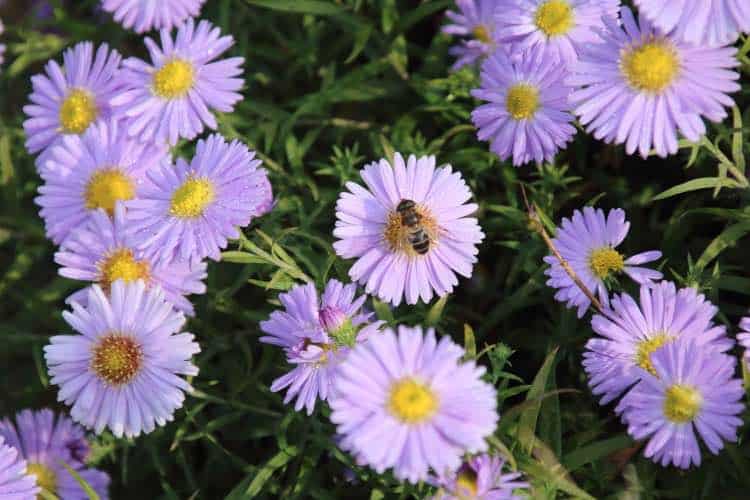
331	85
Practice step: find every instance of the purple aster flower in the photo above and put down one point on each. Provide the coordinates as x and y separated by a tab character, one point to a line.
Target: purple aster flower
409	231
47	443
105	251
587	242
474	19
561	27
15	481
188	211
407	402
699	22
122	370
174	95
692	389
144	15
527	116
640	86
480	478
630	333
95	171
316	334
67	100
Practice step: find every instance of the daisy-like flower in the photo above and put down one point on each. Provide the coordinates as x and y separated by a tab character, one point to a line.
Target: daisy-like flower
587	242
96	171
699	22
640	86
409	231
144	15
174	96
48	443
316	334
630	333
561	27
474	19
527	116
16	483
407	402
188	211
122	370
105	251
692	389
480	478
67	100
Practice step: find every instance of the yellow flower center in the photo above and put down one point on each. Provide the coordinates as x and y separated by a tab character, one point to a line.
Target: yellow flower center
554	17
604	261
522	101
482	34
192	198
411	401
651	67
174	79
647	347
401	237
682	403
45	477
77	112
121	265
117	359
466	484
107	187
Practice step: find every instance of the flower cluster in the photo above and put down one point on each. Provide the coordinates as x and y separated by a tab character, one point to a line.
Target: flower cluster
637	82
663	356
134	222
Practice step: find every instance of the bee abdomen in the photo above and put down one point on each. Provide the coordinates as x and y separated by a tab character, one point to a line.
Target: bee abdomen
420	242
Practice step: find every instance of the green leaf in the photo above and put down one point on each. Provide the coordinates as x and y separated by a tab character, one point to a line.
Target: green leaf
528	420
383	311
695	185
82	482
595	451
470	344
737	140
727	238
254	482
436	312
315	7
548	469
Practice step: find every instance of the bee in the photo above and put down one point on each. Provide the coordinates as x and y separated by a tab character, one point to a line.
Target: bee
412	221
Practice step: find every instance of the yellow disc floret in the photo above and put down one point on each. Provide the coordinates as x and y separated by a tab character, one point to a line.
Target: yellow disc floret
682	403
646	347
121	265
650	67
482	34
45	477
192	198
522	101
106	187
466	483
78	111
411	401
554	17
174	79
117	359
605	261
